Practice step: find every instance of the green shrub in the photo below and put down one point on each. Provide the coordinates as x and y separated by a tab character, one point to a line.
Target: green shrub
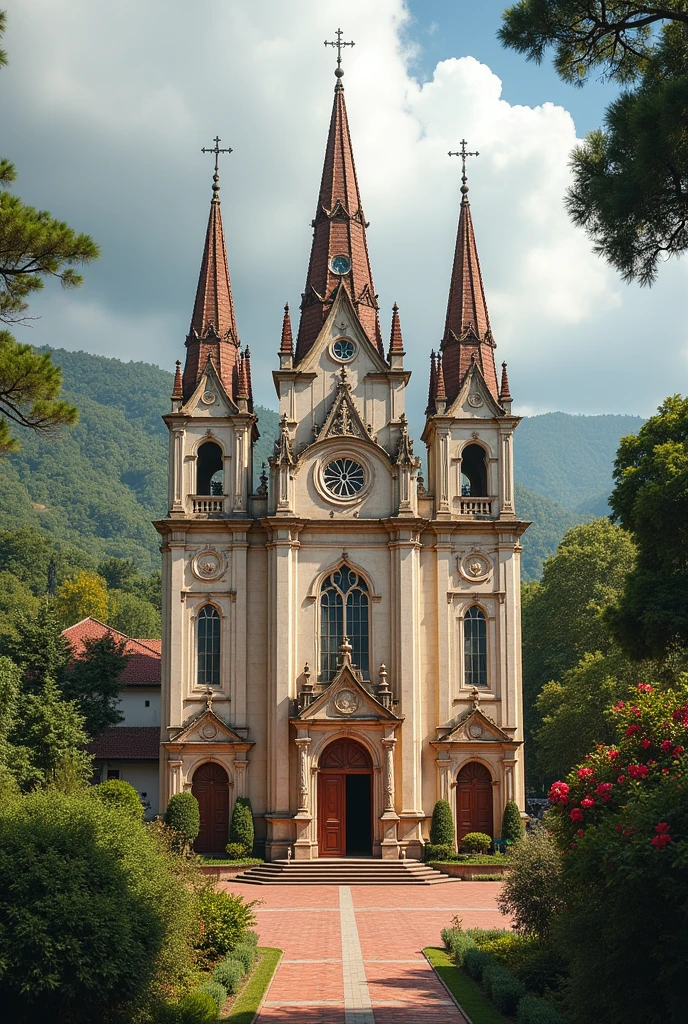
457	942
512	822
442	832
486	878
540	966
184	818
438	851
197	1008
235	851
482	935
506	949
532	890
229	973
537	1011
225	919
216	991
121	795
477	842
245	953
241	830
252	937
475	961
504	990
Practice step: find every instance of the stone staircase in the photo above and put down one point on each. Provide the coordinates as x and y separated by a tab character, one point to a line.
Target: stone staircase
344	871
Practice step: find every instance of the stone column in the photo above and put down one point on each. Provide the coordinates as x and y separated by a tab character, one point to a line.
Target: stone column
444	769
240	768
303	847
175	769
389	774
303	745
389	819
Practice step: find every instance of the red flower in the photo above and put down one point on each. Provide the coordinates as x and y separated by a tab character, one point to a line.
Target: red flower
681	714
677	750
580	832
632	729
604	791
665	771
636	711
646	743
559	793
576	814
585	773
638	771
659	842
612	754
662	826
645	688
587	801
665	746
619	707
621	778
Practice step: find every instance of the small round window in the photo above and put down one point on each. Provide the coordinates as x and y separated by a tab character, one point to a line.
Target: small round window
344	478
343	349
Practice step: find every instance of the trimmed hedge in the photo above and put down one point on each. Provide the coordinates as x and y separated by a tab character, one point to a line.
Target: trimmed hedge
438	851
184	818
229	973
442	832
121	795
235	851
196	1008
245	953
512	822
241	831
477	842
252	937
475	961
537	1011
505	991
457	942
216	991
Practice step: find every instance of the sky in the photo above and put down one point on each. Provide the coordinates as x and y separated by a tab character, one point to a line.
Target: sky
105	108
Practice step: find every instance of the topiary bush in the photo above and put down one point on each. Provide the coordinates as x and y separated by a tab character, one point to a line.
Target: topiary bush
184	818
512	823
537	1011
229	973
505	991
121	795
216	991
241	831
245	953
197	1008
225	919
442	832
235	851
438	851
475	961
477	842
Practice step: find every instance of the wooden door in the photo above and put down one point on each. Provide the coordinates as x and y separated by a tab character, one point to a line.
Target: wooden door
332	814
210	786
474	800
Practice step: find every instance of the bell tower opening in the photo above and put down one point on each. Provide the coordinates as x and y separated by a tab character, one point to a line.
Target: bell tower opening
473	472
209	472
345	801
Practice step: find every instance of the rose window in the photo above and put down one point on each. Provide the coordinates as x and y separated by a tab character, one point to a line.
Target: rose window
344	478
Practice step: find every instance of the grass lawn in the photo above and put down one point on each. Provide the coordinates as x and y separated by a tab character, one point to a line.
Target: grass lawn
245	1006
476	858
231	863
463	988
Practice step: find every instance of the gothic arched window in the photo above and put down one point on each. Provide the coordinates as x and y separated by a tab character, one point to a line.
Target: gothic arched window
209	473
208	646
344	610
473	472
475	647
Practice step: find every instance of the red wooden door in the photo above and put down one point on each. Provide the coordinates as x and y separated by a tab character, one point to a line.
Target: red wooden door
210	786
474	800
332	813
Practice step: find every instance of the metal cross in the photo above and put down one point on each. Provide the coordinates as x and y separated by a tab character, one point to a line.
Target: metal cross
216	150
339	44
463	153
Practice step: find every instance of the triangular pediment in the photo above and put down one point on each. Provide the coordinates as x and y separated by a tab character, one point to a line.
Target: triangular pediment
474	398
344	418
207	728
342	310
476	727
210	398
346	698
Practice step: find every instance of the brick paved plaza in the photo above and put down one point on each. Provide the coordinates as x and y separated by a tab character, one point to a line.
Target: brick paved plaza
352	954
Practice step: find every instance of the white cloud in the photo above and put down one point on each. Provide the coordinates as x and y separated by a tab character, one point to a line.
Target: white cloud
105	108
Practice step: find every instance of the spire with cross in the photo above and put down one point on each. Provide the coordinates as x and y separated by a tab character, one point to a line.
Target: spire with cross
339	72
463	153
216	176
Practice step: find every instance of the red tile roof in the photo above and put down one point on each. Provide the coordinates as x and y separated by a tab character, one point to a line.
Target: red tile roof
127	743
143	665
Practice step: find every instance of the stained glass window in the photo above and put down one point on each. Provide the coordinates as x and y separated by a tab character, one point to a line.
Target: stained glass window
475	647
208	644
344	477
344	610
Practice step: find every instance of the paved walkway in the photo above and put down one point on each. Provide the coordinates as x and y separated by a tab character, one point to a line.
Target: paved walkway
352	954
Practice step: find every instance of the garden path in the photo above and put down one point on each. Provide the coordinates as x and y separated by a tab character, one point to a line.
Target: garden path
353	954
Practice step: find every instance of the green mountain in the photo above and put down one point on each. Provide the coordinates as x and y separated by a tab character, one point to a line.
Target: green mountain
99	485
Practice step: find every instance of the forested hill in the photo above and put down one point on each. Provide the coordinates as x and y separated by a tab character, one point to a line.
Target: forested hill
100	484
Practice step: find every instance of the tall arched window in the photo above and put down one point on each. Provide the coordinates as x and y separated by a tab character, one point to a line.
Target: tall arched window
344	609
473	472
208	646
475	647
209	473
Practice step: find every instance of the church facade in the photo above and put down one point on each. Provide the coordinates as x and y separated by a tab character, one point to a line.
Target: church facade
341	642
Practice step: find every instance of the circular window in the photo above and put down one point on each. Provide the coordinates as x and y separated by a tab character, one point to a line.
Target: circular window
344	478
340	265
343	349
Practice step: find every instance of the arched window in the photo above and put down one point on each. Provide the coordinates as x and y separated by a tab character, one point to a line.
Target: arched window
475	647
209	474
473	472
208	646
344	608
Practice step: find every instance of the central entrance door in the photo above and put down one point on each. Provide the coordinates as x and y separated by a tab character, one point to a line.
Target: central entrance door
210	786
474	800
345	808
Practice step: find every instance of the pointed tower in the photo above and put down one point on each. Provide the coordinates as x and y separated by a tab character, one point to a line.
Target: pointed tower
339	253
213	331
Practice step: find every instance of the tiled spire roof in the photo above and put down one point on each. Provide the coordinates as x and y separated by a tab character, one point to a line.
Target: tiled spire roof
467	327
338	230
432	384
396	342
440	390
177	387
213	330
287	343
504	393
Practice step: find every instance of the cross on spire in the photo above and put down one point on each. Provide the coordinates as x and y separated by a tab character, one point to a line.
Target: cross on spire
339	73
463	153
216	150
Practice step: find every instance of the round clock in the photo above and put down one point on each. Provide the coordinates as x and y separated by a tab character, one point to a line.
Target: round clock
340	265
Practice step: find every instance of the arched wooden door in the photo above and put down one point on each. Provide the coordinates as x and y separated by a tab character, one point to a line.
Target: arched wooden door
345	800
474	800
210	786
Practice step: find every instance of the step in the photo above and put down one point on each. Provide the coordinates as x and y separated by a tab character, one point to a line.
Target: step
344	871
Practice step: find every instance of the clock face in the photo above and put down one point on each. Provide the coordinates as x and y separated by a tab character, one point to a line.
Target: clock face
340	265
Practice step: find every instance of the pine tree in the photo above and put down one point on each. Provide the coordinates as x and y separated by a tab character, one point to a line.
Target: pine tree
93	682
442	826
512	822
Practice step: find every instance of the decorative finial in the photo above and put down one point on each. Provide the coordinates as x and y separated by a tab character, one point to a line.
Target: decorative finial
463	153
216	176
475	698
307	684
177	386
339	71
345	651
209	698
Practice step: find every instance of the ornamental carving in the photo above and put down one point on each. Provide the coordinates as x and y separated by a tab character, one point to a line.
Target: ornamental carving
346	702
475	401
207	565
475	567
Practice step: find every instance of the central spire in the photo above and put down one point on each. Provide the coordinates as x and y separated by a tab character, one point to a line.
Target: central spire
339	253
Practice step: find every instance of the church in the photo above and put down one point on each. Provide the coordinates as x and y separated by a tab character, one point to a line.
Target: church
341	640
